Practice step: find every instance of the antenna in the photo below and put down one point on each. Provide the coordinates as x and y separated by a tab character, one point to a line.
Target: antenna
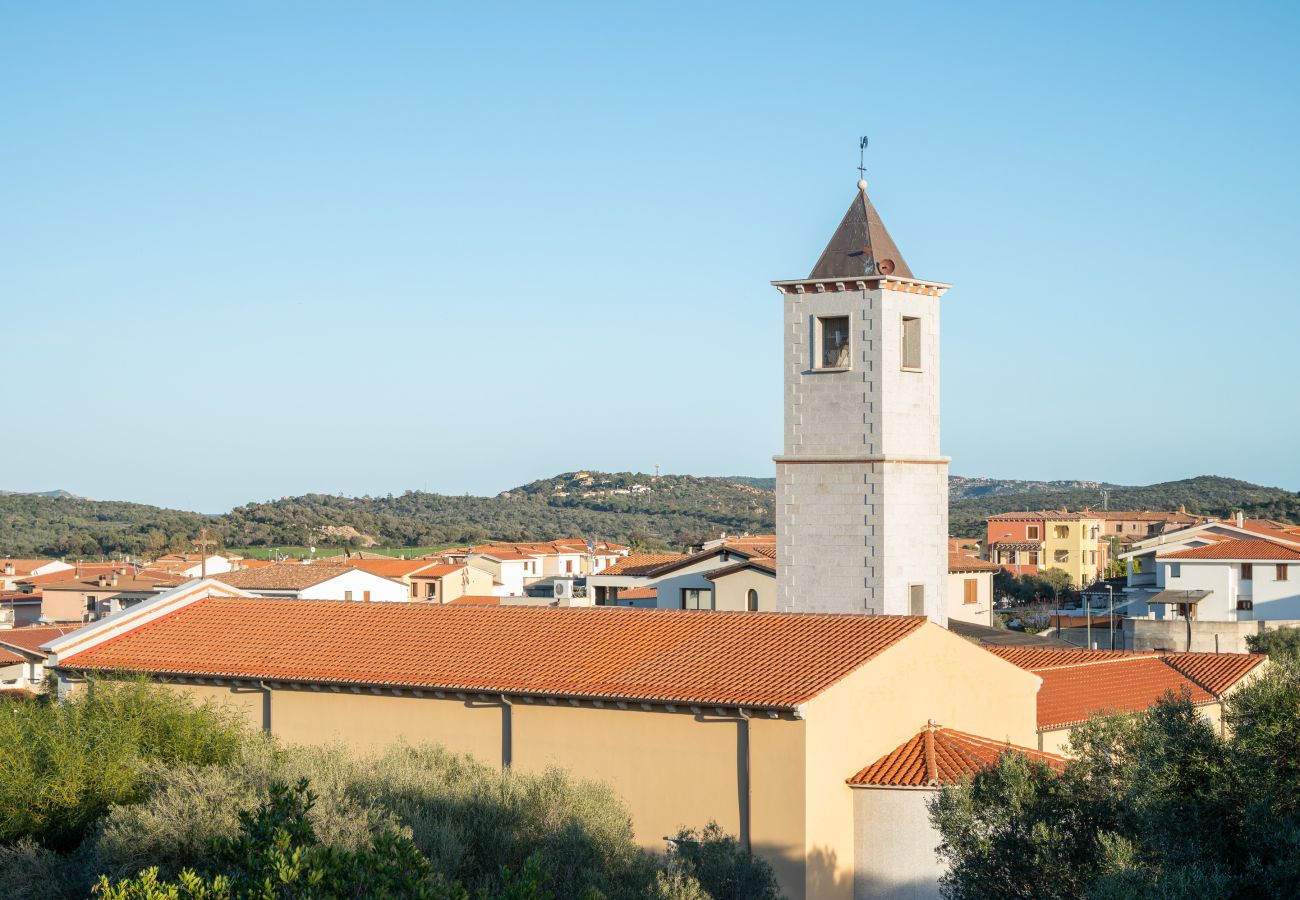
862	161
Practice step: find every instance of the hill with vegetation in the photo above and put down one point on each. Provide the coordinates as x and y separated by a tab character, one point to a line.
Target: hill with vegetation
648	512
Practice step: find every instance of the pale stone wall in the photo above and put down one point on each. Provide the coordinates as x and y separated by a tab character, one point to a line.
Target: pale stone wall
862	494
895	844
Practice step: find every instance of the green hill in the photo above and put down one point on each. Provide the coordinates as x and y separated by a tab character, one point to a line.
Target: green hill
671	511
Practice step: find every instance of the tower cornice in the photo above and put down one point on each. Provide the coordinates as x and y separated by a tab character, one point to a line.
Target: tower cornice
889	283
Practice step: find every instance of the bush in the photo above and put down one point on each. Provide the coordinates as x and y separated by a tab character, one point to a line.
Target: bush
65	764
722	868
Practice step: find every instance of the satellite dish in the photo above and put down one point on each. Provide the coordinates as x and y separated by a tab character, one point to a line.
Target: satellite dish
886	266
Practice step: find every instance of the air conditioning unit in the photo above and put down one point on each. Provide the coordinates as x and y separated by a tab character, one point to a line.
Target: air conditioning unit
563	590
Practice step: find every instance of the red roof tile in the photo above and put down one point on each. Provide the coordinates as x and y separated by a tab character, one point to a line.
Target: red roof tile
641	593
769	660
960	562
1216	672
31	638
283	576
1036	658
24	566
641	563
1071	694
391	568
475	600
1243	549
938	756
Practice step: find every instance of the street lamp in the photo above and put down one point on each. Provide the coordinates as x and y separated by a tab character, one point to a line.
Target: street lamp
1110	591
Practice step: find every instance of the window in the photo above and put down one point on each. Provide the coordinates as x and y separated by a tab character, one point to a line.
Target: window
1061	531
833	342
1175	570
916	599
1119	526
568	565
751	600
1033	557
970	590
911	349
1093	532
1280	572
1245	604
1061	556
697	598
1247	572
1031	532
365	595
347	595
1092	557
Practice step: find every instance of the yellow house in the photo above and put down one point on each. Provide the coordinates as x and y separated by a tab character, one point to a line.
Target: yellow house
1070	543
755	720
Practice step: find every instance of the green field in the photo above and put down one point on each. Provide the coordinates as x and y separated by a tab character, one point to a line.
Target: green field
305	552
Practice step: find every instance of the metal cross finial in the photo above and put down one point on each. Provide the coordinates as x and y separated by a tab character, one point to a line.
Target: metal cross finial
862	157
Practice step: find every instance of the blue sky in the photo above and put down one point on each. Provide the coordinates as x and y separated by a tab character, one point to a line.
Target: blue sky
252	250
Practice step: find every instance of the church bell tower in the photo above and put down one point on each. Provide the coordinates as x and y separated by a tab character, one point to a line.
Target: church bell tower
861	488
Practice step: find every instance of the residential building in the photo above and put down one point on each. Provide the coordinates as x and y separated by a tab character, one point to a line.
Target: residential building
22	661
774	712
18	609
745	586
629	573
690	581
1027	543
317	581
85	599
14	572
448	582
861	486
193	565
970	589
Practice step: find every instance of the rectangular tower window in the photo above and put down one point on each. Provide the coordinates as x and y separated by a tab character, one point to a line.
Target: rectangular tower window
833	342
911	343
916	599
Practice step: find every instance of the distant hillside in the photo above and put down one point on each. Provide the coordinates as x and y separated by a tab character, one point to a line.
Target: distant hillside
670	511
633	508
1205	494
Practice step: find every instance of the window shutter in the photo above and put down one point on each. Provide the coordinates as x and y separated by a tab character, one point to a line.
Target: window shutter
916	598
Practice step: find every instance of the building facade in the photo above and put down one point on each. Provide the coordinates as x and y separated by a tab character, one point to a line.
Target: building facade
861	487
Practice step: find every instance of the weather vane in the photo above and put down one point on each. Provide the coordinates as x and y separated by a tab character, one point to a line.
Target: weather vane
862	158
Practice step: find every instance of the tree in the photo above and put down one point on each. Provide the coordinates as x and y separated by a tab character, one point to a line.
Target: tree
1154	804
1276	642
1057	580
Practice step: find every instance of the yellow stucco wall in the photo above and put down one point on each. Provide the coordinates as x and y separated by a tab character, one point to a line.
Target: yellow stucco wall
1079	543
731	592
932	674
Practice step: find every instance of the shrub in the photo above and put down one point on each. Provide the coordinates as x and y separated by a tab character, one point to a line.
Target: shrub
722	868
65	764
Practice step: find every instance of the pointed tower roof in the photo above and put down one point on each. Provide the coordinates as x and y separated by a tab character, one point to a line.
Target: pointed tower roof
861	245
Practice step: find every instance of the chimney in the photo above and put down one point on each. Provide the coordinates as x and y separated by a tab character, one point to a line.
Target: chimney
103	580
9	568
1182	509
1240	518
112	582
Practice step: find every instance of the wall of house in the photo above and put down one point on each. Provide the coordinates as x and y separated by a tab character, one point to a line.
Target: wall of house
894	844
1219	578
358	581
981	611
455	585
931	675
731	592
65	606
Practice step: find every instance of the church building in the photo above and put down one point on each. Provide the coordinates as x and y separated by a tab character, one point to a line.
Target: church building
861	486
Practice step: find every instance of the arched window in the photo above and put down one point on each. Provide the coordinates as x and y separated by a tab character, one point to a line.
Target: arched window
752	597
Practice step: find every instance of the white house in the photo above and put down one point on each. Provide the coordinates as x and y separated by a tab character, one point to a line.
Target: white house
22	661
13	571
317	581
970	589
689	582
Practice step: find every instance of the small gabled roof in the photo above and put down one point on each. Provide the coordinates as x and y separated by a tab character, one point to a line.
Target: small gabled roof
1216	672
1259	549
861	246
29	640
1071	694
754	563
938	756
641	563
389	567
283	576
743	659
962	562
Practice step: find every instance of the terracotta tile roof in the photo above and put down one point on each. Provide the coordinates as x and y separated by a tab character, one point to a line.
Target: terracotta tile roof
1071	694
1216	672
24	566
126	584
162	576
475	600
770	660
641	593
282	576
641	563
438	570
31	638
9	657
1036	658
937	756
960	562
391	568
19	597
1243	549
253	563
